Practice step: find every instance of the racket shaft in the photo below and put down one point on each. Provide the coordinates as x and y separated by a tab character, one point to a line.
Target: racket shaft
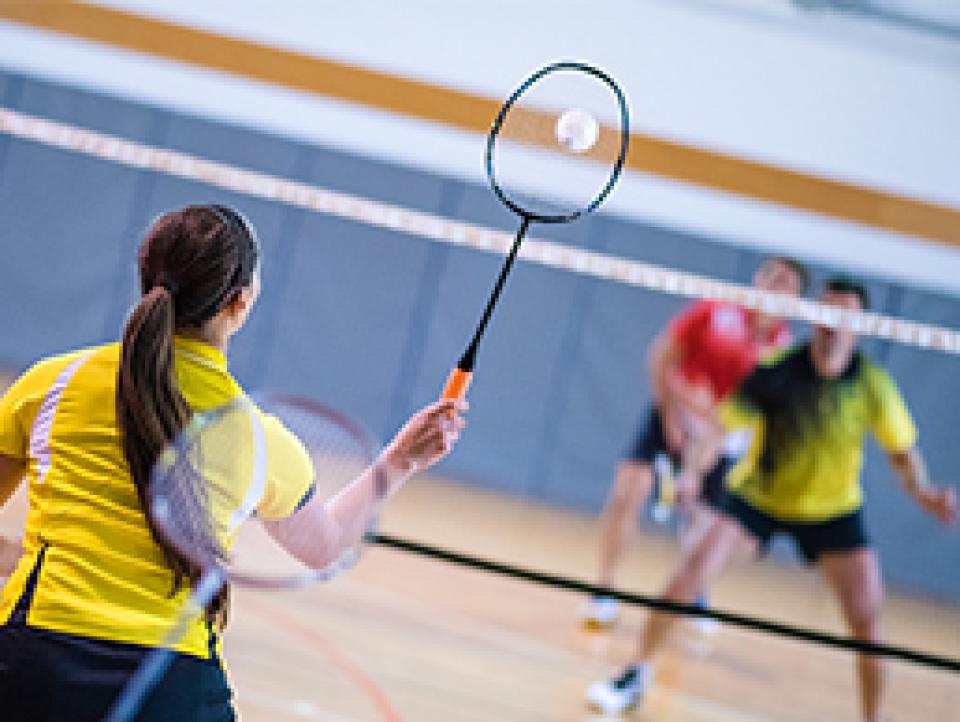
146	678
158	661
459	379
668	492
667	483
457	384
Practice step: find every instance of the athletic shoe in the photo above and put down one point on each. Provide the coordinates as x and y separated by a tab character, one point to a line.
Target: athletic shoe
601	613
622	692
707	626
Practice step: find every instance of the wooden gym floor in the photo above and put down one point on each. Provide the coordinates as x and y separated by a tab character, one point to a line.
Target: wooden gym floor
403	638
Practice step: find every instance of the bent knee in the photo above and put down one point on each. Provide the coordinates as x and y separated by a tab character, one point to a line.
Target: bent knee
632	483
684	587
865	624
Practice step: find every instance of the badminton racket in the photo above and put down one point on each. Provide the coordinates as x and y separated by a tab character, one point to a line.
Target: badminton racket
212	498
568	122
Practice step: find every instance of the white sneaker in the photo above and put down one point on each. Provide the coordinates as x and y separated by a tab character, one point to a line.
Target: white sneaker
601	613
621	693
706	626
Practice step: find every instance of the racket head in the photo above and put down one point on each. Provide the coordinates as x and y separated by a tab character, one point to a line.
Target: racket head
526	144
207	488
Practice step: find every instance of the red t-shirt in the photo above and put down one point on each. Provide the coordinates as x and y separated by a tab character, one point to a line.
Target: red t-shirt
717	347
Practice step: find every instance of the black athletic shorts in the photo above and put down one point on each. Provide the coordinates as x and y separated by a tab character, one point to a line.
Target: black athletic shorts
843	533
650	442
52	677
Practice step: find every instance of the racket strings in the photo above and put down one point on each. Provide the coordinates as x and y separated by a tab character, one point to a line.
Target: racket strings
188	491
536	128
208	485
339	455
181	509
565	125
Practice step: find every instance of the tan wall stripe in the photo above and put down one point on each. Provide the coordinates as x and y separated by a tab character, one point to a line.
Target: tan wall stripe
474	113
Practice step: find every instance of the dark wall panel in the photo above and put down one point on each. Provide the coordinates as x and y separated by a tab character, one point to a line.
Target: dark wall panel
371	321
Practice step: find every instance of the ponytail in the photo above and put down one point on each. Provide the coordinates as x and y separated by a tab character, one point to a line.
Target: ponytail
151	411
192	263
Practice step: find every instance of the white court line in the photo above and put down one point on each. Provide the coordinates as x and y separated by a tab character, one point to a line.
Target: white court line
301	708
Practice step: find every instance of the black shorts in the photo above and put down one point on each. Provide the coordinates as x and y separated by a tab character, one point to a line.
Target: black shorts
841	534
51	677
650	442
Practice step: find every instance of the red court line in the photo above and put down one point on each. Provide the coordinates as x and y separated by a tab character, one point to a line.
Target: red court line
306	633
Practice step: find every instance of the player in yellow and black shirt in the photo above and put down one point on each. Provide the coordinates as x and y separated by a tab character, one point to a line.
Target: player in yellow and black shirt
807	412
92	589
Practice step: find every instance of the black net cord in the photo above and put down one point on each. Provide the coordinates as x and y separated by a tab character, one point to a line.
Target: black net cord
663	605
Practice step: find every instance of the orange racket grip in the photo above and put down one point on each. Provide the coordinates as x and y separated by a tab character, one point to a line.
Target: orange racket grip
457	384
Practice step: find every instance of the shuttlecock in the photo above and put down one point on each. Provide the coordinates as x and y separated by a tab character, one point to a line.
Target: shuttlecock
577	130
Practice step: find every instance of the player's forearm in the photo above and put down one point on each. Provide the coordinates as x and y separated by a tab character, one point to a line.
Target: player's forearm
938	501
662	362
701	452
911	471
354	508
10	552
670	390
12	472
422	441
323	529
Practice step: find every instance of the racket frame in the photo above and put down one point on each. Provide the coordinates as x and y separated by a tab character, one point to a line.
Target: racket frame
365	441
460	377
213	576
563	65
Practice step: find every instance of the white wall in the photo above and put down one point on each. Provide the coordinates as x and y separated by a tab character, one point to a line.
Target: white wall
830	95
778	87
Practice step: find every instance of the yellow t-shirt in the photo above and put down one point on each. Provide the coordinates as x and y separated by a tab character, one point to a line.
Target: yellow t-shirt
98	571
806	452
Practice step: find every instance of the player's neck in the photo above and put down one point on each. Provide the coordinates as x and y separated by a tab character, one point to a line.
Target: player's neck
208	334
761	327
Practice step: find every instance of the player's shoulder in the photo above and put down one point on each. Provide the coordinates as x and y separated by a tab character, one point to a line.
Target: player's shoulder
714	306
703	307
287	457
781	357
277	433
706	304
46	369
874	375
61	359
773	375
273	426
709	314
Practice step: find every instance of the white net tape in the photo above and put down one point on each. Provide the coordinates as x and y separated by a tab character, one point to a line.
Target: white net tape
446	230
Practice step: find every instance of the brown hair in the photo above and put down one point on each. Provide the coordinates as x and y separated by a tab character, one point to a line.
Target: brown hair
846	284
192	263
798	267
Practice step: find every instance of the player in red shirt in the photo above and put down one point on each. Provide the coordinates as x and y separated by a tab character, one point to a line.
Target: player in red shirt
700	358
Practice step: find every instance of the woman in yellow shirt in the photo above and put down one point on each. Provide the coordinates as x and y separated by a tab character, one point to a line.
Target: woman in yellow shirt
91	592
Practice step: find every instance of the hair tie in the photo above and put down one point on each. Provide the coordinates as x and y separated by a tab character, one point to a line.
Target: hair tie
170	285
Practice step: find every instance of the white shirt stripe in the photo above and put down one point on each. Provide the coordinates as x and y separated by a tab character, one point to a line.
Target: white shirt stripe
43	423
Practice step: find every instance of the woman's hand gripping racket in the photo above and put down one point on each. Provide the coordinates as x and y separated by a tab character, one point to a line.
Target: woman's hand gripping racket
567	122
213	498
